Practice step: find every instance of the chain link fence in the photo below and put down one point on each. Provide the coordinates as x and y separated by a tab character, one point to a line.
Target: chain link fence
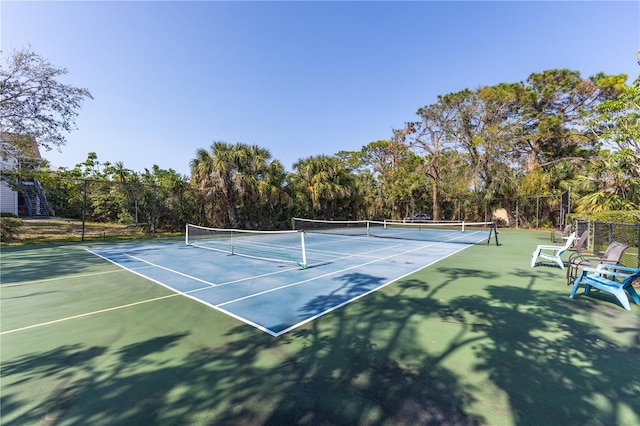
86	208
601	234
543	211
80	209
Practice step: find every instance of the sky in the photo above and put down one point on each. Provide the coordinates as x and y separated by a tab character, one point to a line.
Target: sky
300	79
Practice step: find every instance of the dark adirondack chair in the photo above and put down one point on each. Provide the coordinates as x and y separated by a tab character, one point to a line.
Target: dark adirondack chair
579	260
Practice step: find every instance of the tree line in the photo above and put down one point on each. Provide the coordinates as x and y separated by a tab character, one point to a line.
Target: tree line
468	151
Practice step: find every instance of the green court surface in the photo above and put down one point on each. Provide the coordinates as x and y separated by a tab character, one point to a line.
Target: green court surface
479	337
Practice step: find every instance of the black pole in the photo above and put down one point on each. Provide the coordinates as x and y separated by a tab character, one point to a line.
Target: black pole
494	230
84	208
154	211
639	246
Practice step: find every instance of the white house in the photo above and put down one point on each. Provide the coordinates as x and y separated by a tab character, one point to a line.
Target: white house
8	197
24	198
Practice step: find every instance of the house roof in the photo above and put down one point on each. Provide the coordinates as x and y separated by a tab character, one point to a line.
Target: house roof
14	146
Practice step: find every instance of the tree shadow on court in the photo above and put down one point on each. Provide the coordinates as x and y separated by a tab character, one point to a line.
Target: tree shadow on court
346	371
353	285
23	264
367	363
27	295
53	369
89	386
350	372
555	366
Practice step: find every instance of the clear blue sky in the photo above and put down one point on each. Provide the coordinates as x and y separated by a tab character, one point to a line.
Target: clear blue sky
297	78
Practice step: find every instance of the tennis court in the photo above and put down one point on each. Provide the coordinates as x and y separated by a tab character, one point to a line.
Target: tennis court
476	338
277	281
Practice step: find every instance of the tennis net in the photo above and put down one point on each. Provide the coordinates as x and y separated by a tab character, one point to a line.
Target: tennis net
277	246
451	232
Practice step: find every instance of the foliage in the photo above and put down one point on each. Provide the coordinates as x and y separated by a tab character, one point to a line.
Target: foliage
34	102
516	146
615	216
9	227
618	120
239	184
324	187
612	182
554	106
429	135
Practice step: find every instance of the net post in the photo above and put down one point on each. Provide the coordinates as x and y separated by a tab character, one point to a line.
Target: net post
186	234
368	228
495	232
304	250
463	226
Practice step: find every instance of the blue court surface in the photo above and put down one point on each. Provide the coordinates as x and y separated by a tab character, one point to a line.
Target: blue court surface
276	295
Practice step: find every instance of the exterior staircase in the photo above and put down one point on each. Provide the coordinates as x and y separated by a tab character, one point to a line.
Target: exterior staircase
35	201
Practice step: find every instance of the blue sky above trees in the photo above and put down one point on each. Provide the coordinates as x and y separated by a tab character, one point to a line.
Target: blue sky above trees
296	78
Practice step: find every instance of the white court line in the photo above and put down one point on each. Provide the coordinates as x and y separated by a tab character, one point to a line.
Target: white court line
253	277
340	255
326	275
171	270
346	302
203	281
151	264
87	314
122	268
343	256
337	238
134	271
219	306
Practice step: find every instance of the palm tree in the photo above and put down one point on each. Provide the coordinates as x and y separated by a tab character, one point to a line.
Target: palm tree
234	178
214	173
612	183
260	184
326	183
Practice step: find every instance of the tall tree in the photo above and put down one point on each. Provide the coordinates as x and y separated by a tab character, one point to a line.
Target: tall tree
611	182
326	184
390	178
34	102
617	121
214	174
231	177
555	105
173	197
429	135
261	187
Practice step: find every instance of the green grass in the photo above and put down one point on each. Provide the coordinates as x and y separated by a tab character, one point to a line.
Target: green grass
477	338
50	231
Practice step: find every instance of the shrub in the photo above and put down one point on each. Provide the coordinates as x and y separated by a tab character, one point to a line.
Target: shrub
9	227
626	216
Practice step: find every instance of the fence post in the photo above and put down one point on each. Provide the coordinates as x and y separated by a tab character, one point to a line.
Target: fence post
610	230
84	209
154	211
638	245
